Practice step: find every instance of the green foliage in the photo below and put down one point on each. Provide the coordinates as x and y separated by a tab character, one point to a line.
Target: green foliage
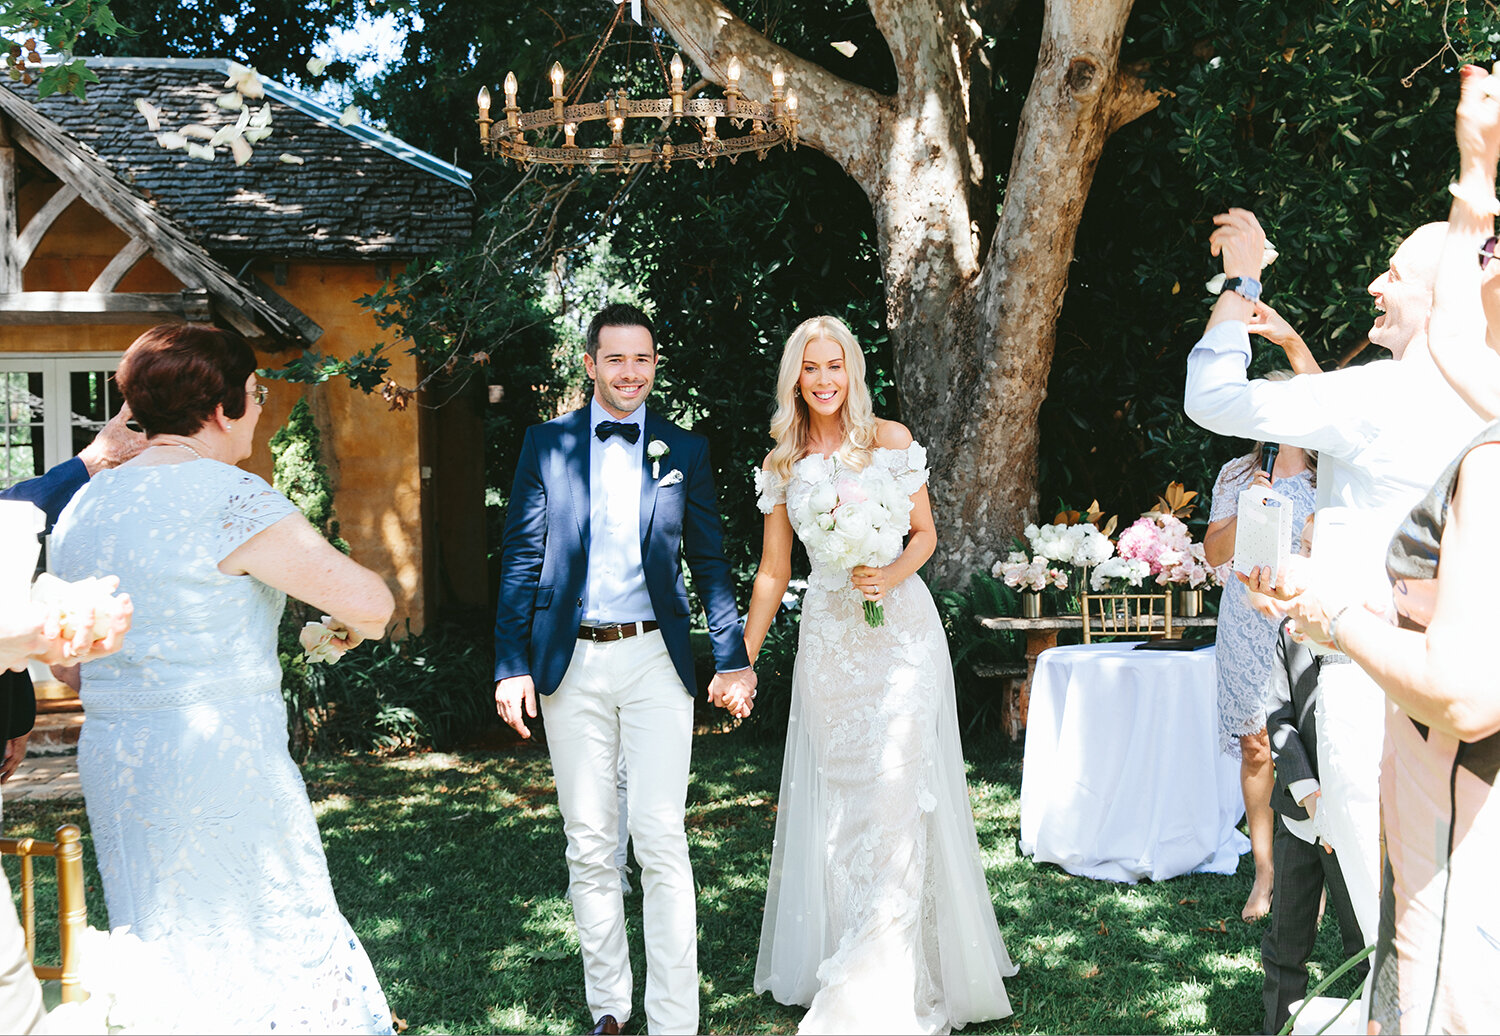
64	28
391	694
300	475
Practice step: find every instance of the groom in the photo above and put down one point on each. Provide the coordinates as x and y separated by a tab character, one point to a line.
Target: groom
593	616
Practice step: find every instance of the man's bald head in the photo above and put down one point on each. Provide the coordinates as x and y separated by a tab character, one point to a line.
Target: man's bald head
1403	293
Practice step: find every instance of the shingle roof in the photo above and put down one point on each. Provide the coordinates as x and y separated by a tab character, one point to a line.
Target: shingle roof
359	194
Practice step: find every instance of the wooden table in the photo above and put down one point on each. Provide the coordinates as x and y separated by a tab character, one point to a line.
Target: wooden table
1041	634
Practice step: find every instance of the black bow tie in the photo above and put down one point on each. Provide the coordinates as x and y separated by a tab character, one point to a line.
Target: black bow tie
631	433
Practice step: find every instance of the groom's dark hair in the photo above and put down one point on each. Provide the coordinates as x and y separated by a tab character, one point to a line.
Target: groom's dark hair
618	314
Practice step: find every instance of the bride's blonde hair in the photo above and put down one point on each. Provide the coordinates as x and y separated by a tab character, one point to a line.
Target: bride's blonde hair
789	424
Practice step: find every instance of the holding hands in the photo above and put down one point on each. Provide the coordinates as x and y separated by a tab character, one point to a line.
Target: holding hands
733	691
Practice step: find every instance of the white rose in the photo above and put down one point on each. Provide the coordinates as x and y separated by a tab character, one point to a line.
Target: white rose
823	499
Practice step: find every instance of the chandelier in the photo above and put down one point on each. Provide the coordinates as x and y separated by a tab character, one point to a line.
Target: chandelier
757	127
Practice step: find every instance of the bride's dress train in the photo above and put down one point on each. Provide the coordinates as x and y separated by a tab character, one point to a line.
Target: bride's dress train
878	916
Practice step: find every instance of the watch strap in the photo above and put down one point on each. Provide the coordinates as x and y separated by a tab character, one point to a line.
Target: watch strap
1247	288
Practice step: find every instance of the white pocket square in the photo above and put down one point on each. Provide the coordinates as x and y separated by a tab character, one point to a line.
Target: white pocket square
671	478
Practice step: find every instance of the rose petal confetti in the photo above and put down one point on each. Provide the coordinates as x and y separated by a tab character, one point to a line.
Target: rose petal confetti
202	151
150	112
349	117
846	48
240	148
315	66
289	159
233	101
171	141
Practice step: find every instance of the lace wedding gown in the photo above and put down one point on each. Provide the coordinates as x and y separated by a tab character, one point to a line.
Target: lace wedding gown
204	834
878	917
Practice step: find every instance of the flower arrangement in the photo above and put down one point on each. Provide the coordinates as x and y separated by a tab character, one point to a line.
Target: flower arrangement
847	522
1156	546
1029	573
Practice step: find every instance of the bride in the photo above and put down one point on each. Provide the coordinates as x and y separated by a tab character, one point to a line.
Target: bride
877	913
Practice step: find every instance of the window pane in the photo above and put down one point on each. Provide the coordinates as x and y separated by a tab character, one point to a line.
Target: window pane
22	436
93	400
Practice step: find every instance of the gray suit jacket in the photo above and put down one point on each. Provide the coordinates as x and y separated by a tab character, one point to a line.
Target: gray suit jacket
1293	728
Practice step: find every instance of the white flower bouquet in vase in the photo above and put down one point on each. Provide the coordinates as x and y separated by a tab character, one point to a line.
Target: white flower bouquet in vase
846	522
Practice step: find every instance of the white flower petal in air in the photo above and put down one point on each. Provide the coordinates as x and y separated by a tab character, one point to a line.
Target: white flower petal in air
349	117
223	135
245	80
1268	254
232	101
240	148
255	136
845	48
289	159
171	141
315	66
197	130
202	151
1216	285
243	122
150	112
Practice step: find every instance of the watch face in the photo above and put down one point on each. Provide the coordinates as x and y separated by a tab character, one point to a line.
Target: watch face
1246	287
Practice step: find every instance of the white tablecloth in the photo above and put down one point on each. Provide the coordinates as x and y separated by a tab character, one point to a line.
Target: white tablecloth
1123	778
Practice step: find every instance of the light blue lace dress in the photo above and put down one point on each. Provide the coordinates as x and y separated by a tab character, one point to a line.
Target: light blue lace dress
1246	643
205	837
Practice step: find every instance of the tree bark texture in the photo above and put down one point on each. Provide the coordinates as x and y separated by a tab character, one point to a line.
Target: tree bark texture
972	302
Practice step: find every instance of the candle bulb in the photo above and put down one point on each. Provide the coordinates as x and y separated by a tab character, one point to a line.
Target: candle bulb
709	122
778	79
557	75
791	105
484	102
734	72
617	124
510	88
732	91
568	131
676	71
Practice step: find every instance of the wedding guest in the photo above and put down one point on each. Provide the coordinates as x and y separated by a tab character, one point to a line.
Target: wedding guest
1246	642
1306	868
116	443
877	917
1439	941
1381	430
205	838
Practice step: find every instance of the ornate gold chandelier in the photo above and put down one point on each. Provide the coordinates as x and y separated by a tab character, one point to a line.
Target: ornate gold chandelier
769	125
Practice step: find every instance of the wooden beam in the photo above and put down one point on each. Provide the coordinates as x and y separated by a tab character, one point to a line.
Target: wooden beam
124	261
41	222
10	269
42	308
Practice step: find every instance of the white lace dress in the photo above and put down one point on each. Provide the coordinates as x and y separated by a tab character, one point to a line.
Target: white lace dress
205	837
878	917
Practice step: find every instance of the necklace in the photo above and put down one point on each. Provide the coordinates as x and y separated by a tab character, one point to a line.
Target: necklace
182	445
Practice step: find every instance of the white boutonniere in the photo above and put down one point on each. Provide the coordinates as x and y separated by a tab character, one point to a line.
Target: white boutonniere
656	450
672	478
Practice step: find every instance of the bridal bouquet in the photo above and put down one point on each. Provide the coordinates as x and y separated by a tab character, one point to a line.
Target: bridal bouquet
846	522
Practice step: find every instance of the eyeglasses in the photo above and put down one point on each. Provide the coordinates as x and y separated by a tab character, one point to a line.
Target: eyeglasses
259	394
1487	250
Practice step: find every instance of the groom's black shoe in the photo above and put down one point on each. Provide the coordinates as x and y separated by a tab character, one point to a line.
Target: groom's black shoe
606	1025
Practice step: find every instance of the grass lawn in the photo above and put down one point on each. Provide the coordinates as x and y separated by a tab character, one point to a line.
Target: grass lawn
450	867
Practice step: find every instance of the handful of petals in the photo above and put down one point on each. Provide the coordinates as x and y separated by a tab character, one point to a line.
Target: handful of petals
326	641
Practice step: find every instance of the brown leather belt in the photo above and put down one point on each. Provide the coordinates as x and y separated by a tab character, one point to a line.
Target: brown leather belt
615	631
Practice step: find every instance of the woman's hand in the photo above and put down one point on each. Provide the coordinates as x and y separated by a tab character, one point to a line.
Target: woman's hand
1272	326
1309	619
874	583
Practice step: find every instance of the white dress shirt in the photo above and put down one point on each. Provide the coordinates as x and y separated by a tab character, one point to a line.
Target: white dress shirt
1384	431
615	589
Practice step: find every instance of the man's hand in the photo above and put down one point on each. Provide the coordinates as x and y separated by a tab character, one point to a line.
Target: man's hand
15	751
113	446
1311	804
733	691
513	695
1241	242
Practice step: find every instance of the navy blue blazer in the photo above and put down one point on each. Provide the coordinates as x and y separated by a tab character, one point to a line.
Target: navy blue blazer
52	491
544	558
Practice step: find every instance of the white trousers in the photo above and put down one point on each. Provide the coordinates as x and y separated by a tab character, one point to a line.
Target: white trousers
625	698
1351	735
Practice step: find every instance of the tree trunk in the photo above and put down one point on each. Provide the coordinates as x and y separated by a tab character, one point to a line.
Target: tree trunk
973	329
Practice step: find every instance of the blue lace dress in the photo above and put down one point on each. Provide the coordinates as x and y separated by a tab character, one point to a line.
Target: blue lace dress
1246	643
205	837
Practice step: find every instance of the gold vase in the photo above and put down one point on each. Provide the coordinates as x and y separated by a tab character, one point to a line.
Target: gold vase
1189	602
1031	604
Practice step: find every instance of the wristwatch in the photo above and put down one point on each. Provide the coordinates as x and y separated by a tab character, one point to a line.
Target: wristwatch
1247	288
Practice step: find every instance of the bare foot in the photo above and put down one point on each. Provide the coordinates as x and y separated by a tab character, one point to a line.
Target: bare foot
1259	903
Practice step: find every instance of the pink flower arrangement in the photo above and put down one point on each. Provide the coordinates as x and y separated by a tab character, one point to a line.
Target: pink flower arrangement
1166	546
1142	542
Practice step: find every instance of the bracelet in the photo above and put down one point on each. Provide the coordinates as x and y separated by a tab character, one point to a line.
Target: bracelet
1333	629
1475	200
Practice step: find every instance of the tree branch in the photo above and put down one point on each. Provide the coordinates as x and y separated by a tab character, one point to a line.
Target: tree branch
838	117
1132	98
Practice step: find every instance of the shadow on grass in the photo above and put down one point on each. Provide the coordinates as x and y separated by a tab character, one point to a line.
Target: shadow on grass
450	866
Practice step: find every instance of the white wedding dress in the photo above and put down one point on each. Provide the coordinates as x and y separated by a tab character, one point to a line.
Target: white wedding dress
878	916
201	823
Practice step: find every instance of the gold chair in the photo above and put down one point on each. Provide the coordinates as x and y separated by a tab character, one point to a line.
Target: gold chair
72	912
1126	615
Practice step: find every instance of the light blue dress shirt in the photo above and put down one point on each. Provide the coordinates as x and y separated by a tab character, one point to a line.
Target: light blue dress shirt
615	589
